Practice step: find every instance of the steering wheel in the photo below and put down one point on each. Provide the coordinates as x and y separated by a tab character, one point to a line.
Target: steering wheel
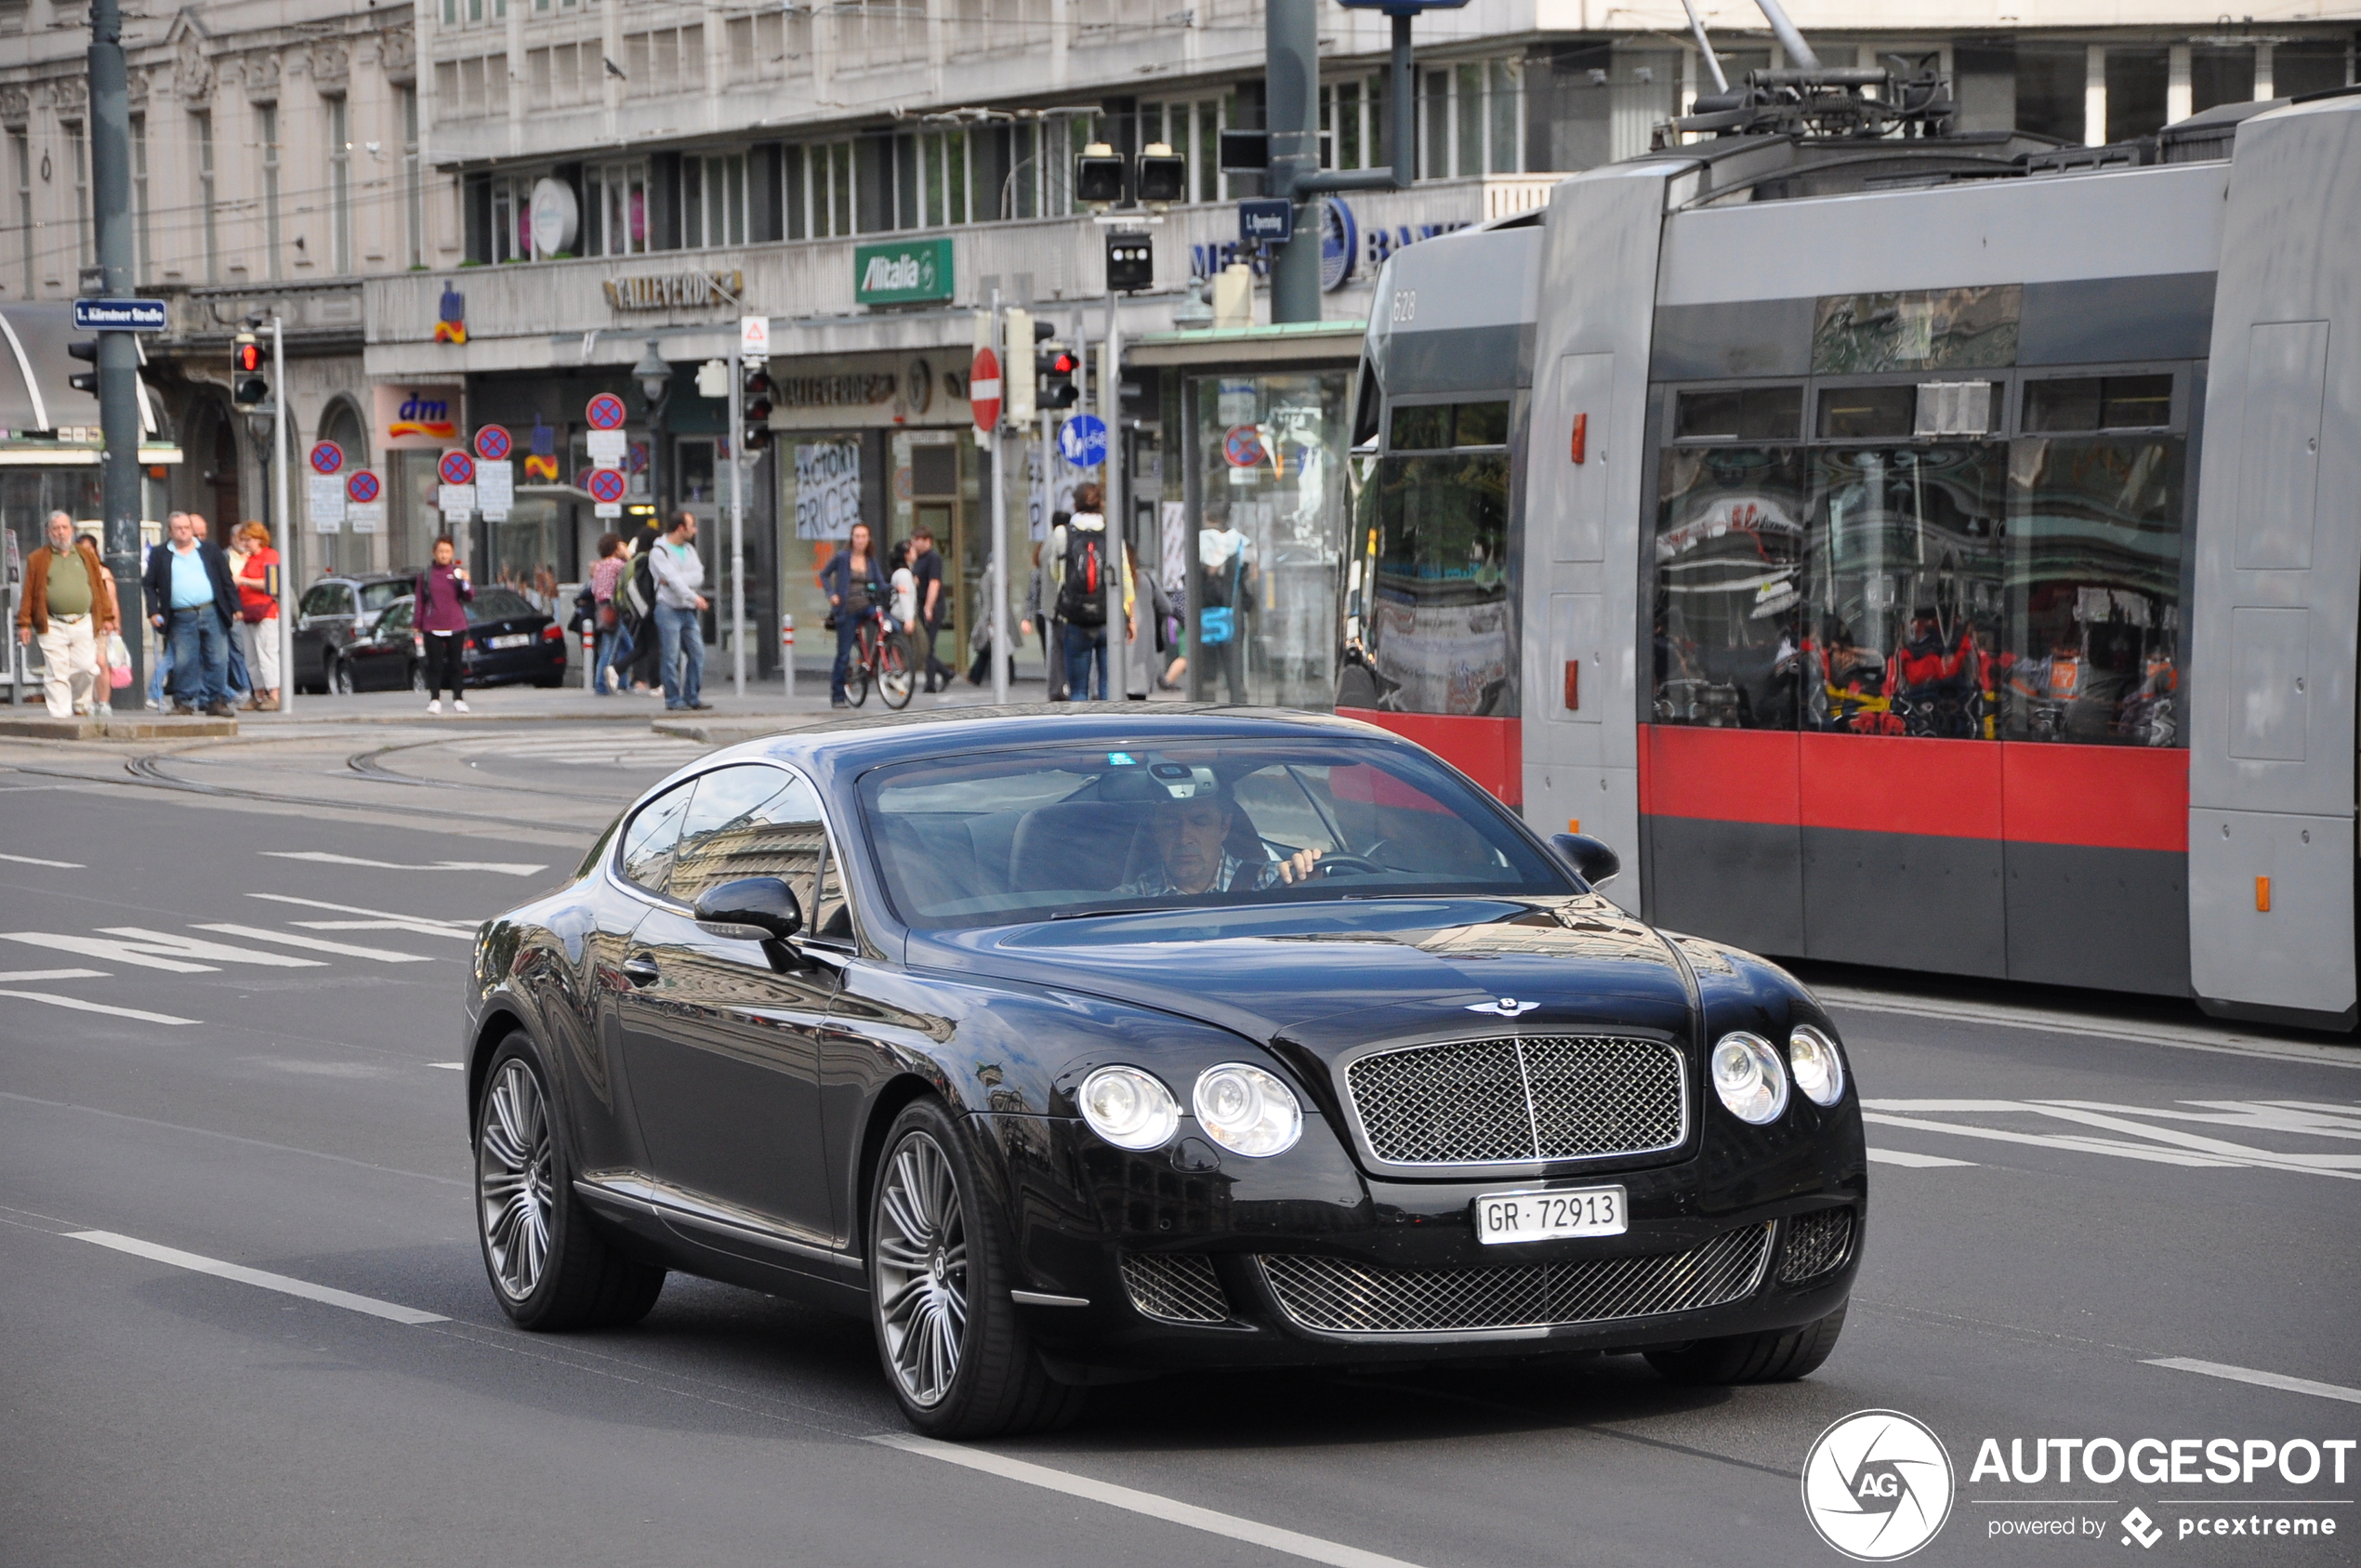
1328	865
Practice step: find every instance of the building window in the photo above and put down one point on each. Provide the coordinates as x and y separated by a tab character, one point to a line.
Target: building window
267	121
139	196
341	183
201	127
819	190
713	201
414	188
615	219
78	149
20	154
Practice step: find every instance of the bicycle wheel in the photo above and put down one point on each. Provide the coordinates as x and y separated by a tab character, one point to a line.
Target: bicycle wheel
864	664
894	680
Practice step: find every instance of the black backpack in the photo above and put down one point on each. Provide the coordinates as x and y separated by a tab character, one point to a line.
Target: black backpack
1082	597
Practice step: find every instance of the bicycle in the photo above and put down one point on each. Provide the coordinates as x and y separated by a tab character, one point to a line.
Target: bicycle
881	655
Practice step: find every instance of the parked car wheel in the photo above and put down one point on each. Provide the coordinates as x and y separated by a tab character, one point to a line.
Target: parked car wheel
1780	1356
550	1268
959	1361
419	676
340	678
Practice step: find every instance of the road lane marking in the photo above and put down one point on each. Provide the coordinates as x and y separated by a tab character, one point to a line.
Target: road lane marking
17	976
453	1066
264	1144
386	926
2047	1140
430	920
108	952
2261	1379
197	947
78	1005
389	1310
316	944
506	868
36	860
1904	1157
2183	1036
1253	1533
2167	1145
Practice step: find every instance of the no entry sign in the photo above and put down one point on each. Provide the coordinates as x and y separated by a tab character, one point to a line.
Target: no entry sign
605	413
457	468
492	444
327	457
983	389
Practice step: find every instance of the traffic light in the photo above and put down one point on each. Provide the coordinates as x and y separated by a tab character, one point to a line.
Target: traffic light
1131	263
249	383
757	435
85	348
1018	335
1057	367
1162	176
1098	176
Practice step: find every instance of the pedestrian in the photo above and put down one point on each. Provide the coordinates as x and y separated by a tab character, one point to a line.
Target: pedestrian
439	597
638	588
680	574
1225	595
903	586
257	575
192	600
68	603
853	583
110	639
1082	597
238	687
1049	577
613	644
926	565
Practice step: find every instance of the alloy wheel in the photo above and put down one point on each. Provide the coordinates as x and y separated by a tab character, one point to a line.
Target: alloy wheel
515	1153
922	1270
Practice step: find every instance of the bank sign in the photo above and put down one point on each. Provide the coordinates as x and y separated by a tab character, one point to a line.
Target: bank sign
902	272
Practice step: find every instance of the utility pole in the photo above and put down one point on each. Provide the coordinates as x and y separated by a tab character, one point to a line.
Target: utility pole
738	516
997	573
118	358
1111	411
1291	96
280	392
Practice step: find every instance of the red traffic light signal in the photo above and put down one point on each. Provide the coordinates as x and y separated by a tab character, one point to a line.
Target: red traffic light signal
247	383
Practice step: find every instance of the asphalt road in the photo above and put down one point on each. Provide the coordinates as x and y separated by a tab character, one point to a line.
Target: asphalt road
2113	1222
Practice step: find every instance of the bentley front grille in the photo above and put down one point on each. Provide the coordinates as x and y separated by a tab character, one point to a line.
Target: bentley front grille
1176	1287
1816	1243
1332	1296
1481	1102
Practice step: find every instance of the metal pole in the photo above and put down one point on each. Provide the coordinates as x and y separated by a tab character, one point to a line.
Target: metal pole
1800	53
737	520
1712	60
1291	99
998	575
279	437
118	359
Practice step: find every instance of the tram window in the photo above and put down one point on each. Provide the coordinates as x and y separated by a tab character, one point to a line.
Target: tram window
1729	565
2099	403
1437	627
1739	414
1439	427
1480	424
1867	413
1424	429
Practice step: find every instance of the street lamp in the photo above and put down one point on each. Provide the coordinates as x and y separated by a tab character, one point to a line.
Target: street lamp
655	383
653	374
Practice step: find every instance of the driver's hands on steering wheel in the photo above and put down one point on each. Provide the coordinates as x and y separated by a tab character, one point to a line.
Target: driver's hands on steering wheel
1296	867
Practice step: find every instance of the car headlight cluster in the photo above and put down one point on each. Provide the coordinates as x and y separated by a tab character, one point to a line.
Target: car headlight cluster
1752	1078
1241	1107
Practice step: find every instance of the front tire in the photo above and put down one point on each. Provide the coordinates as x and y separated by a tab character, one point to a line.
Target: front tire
1779	1356
340	678
957	1358
894	680
550	1268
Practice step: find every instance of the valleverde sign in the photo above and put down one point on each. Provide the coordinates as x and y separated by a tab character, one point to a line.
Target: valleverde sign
665	291
902	272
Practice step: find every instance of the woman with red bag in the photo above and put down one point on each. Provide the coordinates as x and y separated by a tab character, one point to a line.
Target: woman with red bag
257	578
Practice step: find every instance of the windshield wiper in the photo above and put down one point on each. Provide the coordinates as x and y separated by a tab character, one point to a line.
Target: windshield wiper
1128	909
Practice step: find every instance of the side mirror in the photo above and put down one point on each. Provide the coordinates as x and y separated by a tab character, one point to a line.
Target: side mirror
1590	858
750	909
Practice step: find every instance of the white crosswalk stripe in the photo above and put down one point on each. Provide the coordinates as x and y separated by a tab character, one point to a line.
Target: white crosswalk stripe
138	1015
2143	1132
422	922
316	944
326	857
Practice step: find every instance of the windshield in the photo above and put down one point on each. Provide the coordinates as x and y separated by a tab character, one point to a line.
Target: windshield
1009	837
497	604
376	596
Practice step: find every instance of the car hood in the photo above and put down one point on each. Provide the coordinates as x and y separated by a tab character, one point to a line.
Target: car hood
1328	976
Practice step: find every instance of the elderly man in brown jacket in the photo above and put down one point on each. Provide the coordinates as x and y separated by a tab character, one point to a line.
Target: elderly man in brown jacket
69	604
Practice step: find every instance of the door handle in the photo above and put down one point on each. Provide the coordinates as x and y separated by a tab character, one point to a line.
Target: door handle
640	969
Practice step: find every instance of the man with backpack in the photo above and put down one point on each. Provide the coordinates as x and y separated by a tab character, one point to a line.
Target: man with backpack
1090	557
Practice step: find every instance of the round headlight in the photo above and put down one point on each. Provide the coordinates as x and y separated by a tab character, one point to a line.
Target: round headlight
1247	1110
1128	1108
1749	1077
1819	1071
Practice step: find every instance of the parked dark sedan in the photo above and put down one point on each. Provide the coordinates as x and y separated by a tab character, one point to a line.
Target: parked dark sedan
334	615
508	641
1069	1045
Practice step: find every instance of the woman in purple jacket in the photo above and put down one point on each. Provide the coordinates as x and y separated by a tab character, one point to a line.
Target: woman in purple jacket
443	592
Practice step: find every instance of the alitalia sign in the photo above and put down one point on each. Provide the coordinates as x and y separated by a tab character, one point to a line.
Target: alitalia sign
902	272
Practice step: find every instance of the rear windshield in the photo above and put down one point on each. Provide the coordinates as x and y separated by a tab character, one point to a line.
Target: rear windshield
1064	831
376	596
498	605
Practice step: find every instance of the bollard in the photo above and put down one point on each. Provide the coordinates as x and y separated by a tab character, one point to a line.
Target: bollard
787	650
590	655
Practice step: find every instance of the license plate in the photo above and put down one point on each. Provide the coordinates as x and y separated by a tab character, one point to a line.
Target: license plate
519	640
1549	1217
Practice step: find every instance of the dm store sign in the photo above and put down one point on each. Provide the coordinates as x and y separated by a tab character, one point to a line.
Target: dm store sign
902	272
417	418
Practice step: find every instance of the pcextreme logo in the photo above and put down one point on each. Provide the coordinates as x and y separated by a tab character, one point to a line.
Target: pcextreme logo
1877	1486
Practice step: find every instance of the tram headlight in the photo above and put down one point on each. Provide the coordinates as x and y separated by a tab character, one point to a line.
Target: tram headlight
1130	1108
1817	1066
1750	1078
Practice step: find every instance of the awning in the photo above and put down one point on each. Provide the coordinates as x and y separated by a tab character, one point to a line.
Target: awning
34	392
1258	348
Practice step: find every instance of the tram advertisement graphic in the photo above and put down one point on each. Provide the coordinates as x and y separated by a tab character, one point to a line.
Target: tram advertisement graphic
457	468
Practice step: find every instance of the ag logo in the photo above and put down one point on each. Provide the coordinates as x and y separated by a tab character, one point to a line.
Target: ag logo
1876	1485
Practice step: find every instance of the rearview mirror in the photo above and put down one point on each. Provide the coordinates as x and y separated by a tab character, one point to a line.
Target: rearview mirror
749	909
1590	858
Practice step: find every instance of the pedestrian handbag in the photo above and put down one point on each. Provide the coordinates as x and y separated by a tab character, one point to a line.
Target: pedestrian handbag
253	616
1217	624
118	661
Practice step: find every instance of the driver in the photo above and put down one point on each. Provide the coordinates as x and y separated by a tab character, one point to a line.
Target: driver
1191	837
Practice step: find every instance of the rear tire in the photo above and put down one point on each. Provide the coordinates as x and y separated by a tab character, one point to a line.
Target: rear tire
1779	1356
956	1353
340	678
550	1270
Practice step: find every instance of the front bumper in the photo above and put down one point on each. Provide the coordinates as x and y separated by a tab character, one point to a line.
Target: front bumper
1307	1260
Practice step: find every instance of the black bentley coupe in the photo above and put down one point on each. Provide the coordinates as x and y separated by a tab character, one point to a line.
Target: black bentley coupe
1069	1045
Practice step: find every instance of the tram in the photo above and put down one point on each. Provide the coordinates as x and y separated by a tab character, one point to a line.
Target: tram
1931	551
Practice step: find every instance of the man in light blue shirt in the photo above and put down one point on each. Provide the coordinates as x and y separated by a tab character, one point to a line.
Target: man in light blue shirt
680	575
192	600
